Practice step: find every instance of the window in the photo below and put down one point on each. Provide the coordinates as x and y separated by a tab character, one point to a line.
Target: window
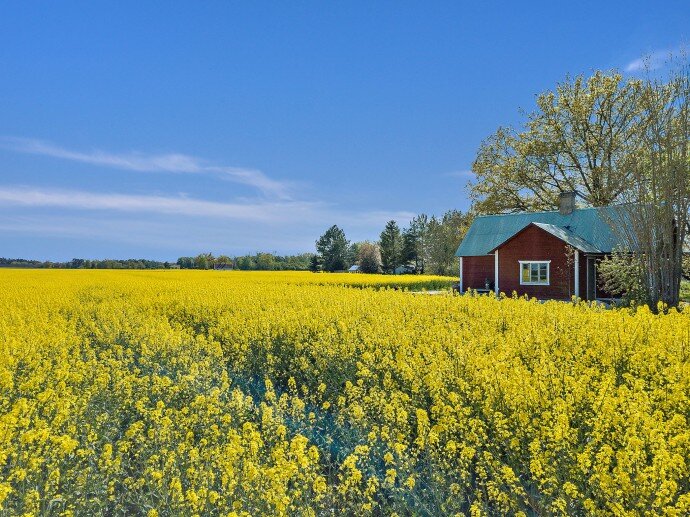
534	272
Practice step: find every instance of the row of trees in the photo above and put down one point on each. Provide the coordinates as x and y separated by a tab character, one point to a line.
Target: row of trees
616	141
79	263
256	262
17	262
426	245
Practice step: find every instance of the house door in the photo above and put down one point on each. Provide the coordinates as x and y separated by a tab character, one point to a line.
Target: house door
591	278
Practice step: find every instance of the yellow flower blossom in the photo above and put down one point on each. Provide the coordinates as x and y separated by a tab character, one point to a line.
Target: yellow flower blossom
200	392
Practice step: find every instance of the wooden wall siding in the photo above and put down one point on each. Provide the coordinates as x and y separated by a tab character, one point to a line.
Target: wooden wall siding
475	270
532	244
536	244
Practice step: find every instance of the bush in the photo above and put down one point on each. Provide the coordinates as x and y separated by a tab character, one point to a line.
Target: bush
620	274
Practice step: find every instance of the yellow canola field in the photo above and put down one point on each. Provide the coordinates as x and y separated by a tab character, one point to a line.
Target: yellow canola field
227	393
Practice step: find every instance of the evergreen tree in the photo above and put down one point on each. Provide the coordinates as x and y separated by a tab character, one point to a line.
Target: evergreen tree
315	263
414	242
333	248
353	253
419	227
391	247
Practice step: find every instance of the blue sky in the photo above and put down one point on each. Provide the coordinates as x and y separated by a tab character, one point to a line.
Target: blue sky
160	129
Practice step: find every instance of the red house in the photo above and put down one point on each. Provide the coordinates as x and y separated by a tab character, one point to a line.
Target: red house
541	254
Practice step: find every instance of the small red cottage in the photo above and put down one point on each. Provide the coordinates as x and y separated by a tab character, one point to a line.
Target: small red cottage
540	254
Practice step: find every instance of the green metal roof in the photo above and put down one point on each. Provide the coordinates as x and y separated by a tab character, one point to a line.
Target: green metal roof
587	229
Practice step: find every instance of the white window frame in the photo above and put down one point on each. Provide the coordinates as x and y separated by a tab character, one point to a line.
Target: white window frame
548	271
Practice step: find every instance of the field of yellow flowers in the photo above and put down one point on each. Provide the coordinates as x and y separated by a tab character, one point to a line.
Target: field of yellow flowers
228	393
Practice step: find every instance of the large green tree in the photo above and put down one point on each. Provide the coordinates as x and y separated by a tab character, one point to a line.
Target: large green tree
333	248
413	242
390	244
579	138
203	261
443	236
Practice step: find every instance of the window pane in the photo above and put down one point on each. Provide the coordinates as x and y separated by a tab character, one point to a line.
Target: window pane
543	268
534	272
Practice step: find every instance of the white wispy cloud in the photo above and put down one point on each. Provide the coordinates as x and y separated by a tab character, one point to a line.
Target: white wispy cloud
278	218
263	211
141	162
260	211
654	60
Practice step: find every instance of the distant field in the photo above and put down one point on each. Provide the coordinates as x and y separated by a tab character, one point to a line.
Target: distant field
199	392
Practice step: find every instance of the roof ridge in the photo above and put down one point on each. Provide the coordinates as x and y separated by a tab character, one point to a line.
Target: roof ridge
528	212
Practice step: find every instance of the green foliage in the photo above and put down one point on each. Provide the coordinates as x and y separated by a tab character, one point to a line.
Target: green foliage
621	275
203	261
418	231
315	263
12	262
244	263
85	264
391	246
333	248
412	252
685	291
442	238
263	261
353	253
578	138
186	262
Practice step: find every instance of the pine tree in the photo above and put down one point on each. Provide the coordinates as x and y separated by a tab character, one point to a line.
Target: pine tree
391	247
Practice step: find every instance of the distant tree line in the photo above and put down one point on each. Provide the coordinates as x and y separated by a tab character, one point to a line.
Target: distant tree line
257	262
426	245
10	262
85	264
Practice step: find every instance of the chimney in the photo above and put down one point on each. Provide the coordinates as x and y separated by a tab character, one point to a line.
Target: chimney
566	202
